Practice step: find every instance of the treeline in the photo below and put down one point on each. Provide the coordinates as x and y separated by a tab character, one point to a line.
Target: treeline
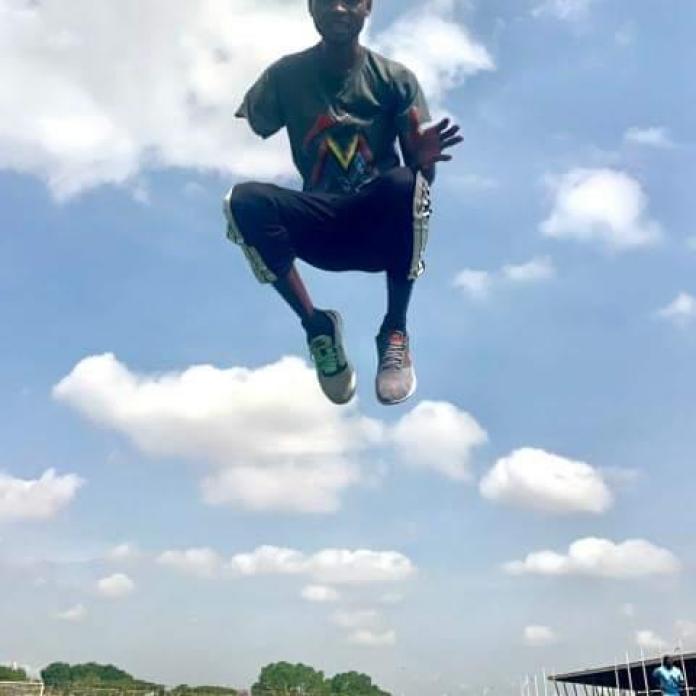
277	679
11	674
285	679
61	676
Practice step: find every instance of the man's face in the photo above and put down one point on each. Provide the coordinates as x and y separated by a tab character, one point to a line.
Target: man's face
669	663
339	21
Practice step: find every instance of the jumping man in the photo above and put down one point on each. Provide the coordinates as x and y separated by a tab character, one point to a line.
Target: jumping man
344	108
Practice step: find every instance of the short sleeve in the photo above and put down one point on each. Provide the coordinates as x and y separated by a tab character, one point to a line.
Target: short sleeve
261	105
410	101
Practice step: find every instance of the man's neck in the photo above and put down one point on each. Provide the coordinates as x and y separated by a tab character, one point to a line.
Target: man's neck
340	58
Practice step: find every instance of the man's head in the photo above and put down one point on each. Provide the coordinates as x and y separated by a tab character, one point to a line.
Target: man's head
340	21
668	662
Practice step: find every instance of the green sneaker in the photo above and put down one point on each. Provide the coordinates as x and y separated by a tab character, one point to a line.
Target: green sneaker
396	378
336	374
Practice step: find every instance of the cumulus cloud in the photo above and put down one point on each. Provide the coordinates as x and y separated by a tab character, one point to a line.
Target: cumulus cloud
605	206
436	47
36	499
681	311
364	627
539	480
70	118
372	639
330	566
685	630
320	593
651	137
115	586
272	439
567	10
357	618
478	284
538	269
73	120
436	435
539	636
649	640
602	558
202	562
73	614
123	552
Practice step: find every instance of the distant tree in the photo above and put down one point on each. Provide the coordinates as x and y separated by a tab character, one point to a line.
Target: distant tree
186	690
12	674
354	684
56	675
285	679
62	676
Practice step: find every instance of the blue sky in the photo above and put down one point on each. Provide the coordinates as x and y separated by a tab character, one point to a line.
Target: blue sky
193	524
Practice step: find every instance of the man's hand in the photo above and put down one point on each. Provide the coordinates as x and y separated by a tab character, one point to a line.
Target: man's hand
428	146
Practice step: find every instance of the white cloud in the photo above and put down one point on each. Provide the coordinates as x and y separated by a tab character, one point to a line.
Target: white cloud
603	558
539	636
539	480
372	639
36	499
320	593
294	487
436	435
202	562
649	640
568	10
685	630
330	566
652	137
70	118
681	311
73	614
123	552
605	206
364	627
115	586
273	440
538	269
436	47
356	618
478	284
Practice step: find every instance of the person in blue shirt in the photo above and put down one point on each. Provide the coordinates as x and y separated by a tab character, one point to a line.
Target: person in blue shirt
668	677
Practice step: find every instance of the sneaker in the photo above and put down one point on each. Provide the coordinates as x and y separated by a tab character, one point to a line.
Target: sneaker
336	374
396	378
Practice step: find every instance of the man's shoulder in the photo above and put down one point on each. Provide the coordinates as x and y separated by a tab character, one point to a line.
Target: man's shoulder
293	62
389	68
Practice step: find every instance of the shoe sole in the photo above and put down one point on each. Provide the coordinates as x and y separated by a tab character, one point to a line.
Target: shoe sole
411	392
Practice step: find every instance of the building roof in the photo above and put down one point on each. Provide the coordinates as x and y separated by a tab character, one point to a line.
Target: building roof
633	679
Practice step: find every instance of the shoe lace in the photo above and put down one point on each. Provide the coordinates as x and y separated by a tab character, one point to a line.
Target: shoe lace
324	354
394	352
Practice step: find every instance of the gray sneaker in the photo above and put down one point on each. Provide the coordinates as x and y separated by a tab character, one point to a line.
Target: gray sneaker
336	374
396	378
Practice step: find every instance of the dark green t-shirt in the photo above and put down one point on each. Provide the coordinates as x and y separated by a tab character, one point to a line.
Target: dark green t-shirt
343	134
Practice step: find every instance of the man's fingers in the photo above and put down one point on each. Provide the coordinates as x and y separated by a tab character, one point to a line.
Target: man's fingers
443	158
442	125
451	142
450	132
